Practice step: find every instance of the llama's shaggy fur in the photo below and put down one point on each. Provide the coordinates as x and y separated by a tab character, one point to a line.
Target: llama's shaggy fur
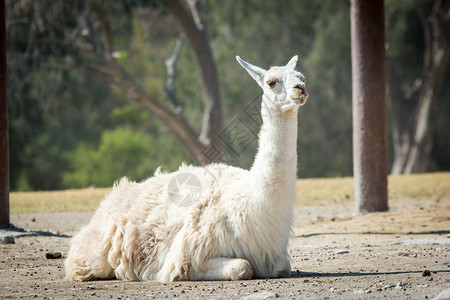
238	227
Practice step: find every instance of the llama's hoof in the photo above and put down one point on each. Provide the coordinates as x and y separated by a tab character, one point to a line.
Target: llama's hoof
238	269
284	273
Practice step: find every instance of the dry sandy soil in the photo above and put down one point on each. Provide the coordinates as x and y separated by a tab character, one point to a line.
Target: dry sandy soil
404	253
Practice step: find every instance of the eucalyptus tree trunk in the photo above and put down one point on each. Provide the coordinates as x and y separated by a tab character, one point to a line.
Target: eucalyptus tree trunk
196	33
205	147
4	135
411	107
369	105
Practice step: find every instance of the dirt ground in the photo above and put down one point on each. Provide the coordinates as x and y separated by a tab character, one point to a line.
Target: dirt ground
403	253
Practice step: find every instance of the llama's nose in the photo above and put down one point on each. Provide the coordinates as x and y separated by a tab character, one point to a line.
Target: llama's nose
302	89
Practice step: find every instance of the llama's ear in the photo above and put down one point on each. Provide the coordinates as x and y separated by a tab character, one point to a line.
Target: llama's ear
292	63
256	72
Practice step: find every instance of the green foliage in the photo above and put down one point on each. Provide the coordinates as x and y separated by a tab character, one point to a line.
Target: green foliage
122	152
49	115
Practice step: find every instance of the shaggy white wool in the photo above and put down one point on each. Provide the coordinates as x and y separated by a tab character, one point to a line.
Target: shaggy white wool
236	227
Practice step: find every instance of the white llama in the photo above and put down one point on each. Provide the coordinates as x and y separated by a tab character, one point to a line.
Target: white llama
238	228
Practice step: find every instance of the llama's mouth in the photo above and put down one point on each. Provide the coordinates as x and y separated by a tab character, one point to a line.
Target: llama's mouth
299	100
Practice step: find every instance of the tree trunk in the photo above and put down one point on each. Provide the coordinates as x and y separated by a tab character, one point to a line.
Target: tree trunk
369	105
176	122
411	132
197	36
4	134
206	147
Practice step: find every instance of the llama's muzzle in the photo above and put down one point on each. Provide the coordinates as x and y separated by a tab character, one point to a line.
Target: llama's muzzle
300	94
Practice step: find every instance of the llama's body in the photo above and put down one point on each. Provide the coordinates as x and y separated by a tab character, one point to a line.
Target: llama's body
237	227
146	236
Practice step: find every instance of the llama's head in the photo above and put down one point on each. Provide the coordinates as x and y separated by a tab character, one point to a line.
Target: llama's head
284	87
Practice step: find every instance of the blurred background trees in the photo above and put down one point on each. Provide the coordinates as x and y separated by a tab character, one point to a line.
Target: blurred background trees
89	99
415	79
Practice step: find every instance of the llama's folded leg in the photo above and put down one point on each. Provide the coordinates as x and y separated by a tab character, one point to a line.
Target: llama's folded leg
87	259
222	268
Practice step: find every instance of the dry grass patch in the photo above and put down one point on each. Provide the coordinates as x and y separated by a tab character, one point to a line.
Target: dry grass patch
53	201
433	186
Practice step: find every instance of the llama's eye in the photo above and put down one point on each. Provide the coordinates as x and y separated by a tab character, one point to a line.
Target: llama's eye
272	83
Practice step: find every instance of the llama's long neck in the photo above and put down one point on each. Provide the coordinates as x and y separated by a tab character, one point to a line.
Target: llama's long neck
274	169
